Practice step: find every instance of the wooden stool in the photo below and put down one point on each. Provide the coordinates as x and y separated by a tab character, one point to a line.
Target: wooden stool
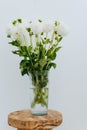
24	120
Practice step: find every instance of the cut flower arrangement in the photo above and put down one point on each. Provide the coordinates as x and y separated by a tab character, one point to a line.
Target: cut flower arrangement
37	43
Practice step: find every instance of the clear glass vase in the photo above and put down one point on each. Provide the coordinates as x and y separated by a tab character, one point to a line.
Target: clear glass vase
39	93
39	101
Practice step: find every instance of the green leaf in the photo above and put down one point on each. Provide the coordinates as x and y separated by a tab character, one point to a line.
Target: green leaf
42	63
46	40
53	56
60	38
15	43
9	36
14	22
17	52
24	66
57	23
36	65
57	49
23	51
19	20
29	49
28	29
39	20
42	52
52	65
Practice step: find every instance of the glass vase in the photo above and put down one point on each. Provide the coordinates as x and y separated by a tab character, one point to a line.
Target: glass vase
39	93
39	101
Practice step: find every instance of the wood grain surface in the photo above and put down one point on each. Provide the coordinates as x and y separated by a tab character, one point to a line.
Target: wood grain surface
24	120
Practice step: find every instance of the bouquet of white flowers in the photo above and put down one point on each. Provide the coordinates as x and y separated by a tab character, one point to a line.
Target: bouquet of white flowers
37	43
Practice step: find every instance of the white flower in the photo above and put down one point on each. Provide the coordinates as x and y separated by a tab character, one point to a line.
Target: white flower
10	30
22	34
39	27
18	32
36	28
47	27
62	29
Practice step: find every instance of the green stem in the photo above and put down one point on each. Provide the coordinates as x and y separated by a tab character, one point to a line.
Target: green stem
40	97
31	40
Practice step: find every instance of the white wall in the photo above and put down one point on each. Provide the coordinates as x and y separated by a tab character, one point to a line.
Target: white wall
68	83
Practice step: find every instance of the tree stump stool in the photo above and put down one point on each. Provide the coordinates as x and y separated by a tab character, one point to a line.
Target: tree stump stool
24	120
